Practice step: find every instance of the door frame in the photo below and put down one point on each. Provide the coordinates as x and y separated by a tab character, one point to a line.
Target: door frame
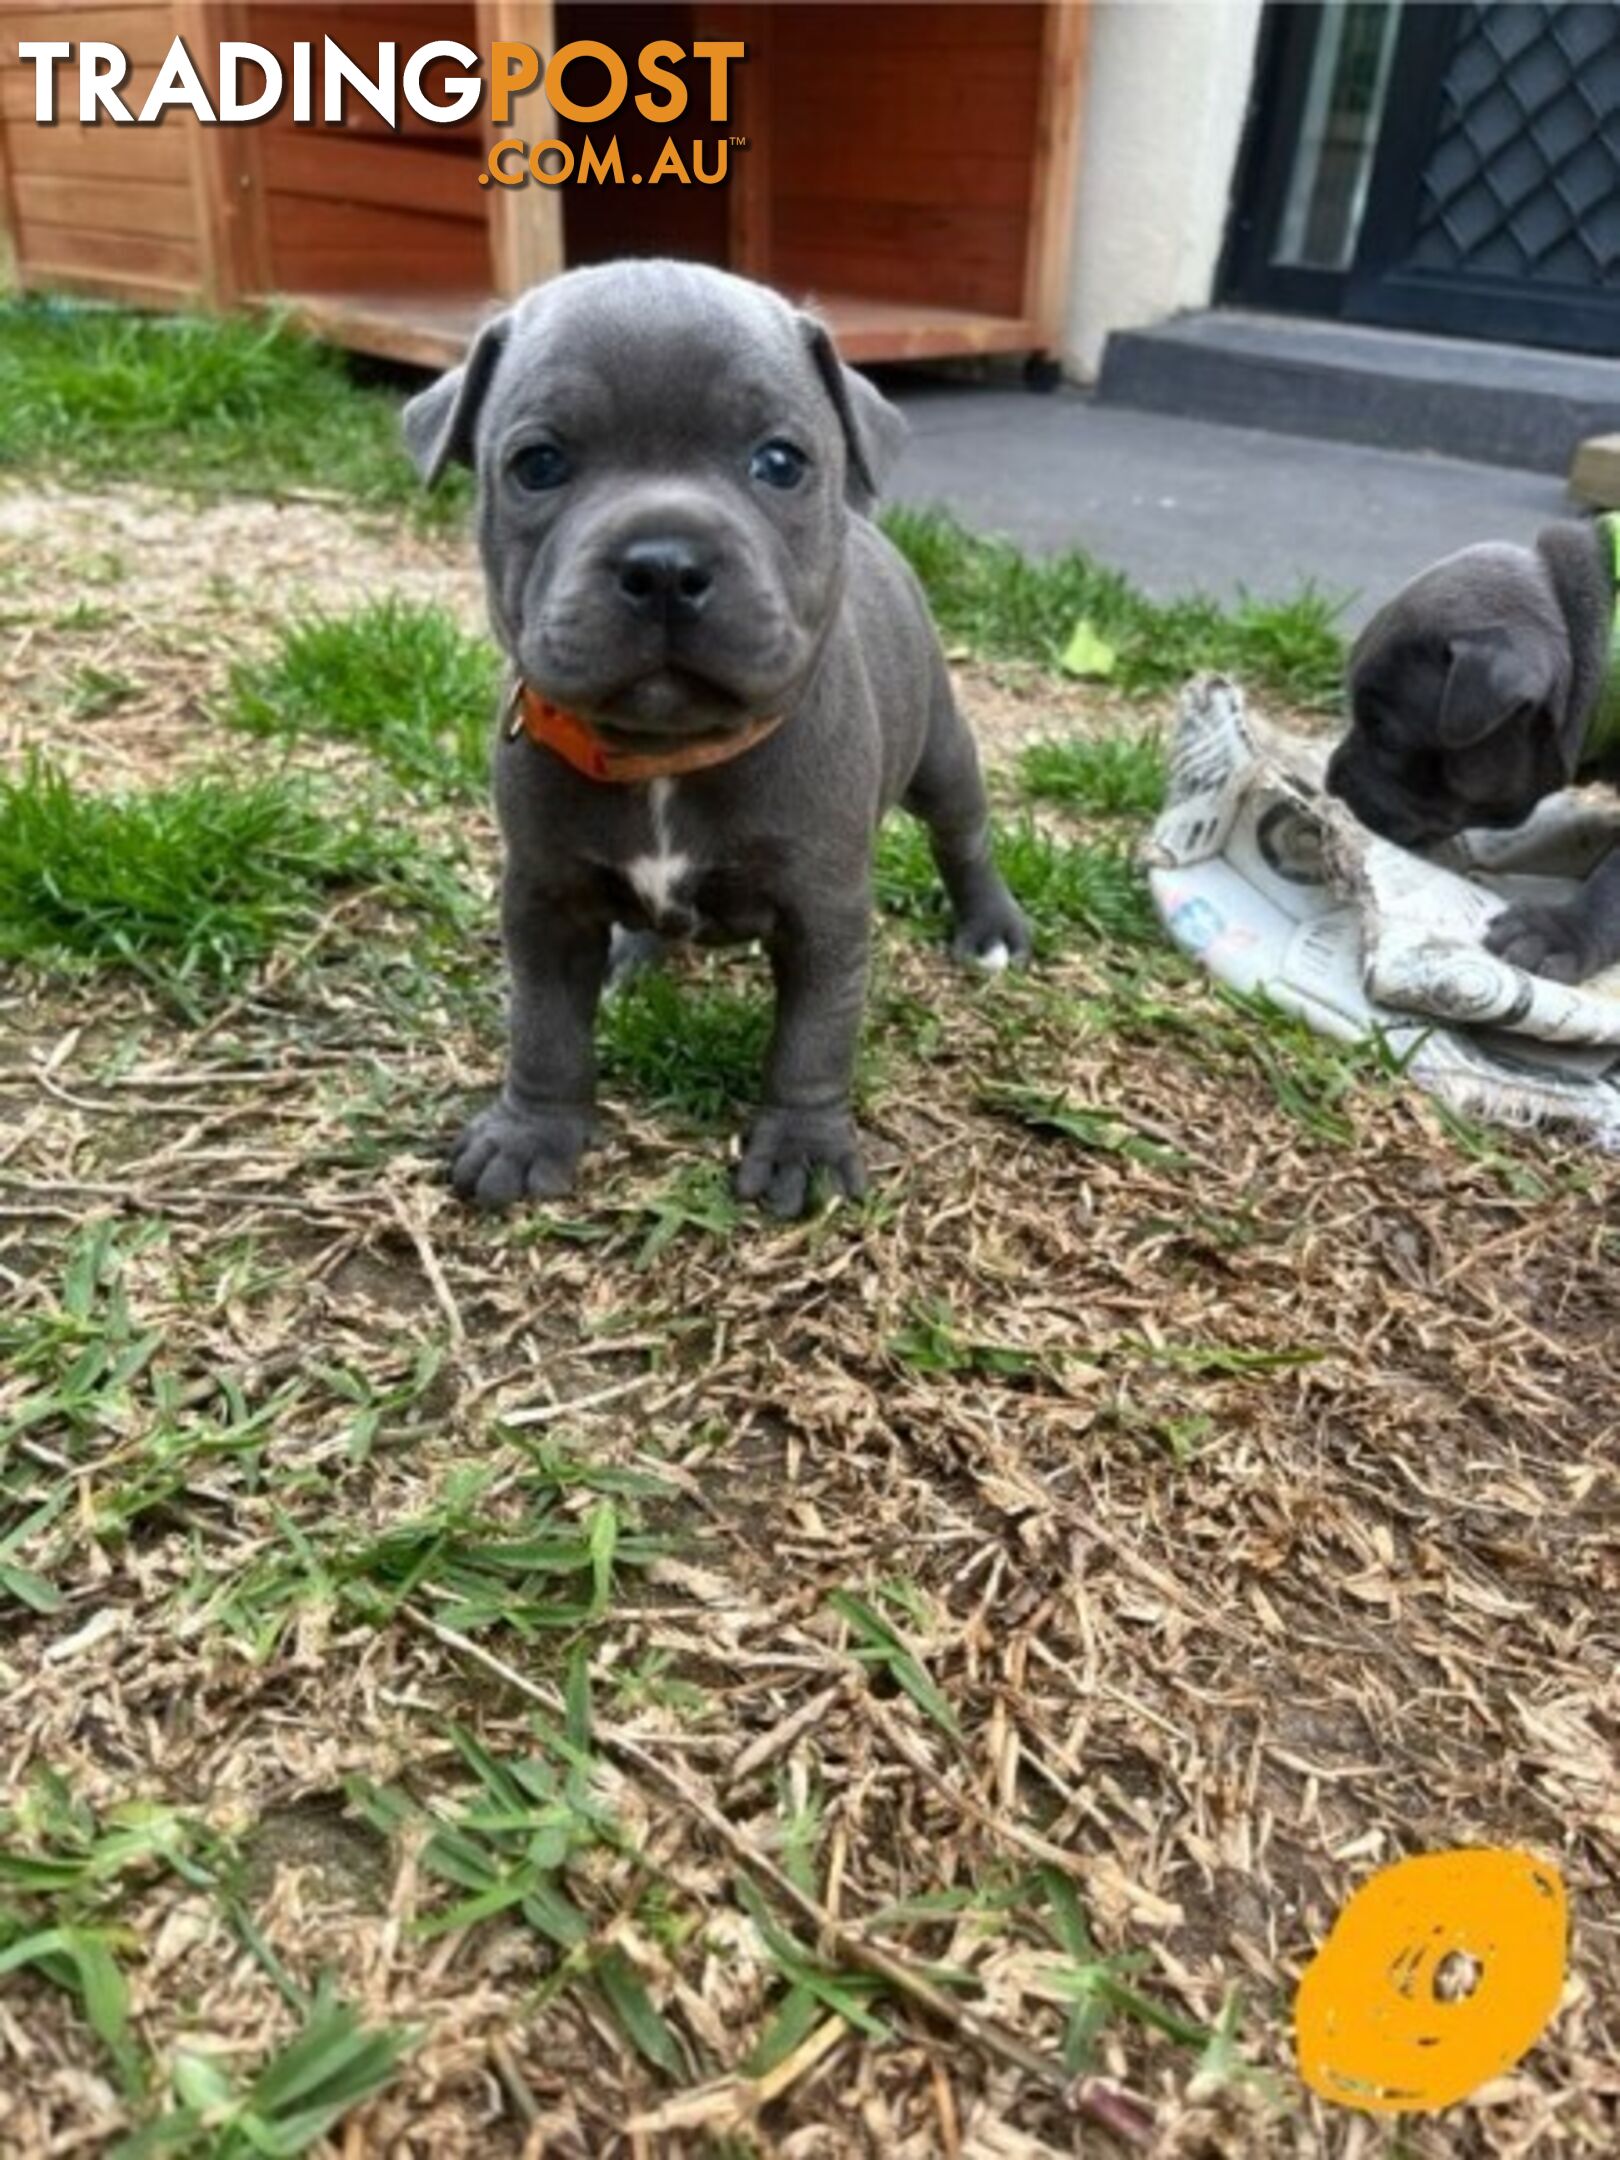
1247	276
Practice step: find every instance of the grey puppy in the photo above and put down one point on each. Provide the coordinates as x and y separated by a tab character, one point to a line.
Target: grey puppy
674	475
1489	682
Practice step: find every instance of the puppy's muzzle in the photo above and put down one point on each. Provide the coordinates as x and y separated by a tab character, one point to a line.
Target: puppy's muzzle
1337	779
666	578
1390	817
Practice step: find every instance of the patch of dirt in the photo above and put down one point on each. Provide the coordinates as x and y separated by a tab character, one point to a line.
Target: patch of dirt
121	613
175	562
315	1836
1011	704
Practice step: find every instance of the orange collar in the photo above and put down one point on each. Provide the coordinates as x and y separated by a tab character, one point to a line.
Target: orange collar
578	744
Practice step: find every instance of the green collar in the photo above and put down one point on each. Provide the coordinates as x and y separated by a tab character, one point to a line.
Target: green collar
1603	729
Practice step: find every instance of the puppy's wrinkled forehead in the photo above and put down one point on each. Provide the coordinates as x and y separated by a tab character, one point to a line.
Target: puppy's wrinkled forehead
1464	594
1406	652
659	352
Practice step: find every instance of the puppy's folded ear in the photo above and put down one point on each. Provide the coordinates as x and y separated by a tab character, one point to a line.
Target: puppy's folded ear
874	433
1493	678
441	423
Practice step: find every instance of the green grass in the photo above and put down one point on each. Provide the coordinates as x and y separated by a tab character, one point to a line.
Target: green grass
405	683
1098	775
696	1202
302	2092
1064	886
85	615
510	1848
93	1370
1006	605
932	1341
187	885
132	1435
65	1873
236	404
692	1047
876	1643
94	692
1093	886
1100	1989
547	1571
1314	1078
692	1041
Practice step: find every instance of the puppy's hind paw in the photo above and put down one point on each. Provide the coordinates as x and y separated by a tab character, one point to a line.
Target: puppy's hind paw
1555	942
994	937
788	1148
507	1155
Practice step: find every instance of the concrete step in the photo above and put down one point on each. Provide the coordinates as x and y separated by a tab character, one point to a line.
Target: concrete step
1492	404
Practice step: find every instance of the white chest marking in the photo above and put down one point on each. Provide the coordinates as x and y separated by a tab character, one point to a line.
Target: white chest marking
657	877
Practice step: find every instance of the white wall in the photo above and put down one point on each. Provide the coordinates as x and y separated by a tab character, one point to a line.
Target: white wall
1167	88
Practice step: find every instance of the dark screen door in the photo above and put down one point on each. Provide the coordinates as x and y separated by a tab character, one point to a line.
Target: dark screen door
1442	168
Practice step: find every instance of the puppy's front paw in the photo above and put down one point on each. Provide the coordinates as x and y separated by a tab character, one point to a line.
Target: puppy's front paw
1556	942
785	1150
507	1155
994	936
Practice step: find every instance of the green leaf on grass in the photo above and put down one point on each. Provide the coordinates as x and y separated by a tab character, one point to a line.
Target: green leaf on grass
1100	1132
1088	654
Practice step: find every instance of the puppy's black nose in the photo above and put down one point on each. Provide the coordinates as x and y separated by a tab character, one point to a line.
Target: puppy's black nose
668	576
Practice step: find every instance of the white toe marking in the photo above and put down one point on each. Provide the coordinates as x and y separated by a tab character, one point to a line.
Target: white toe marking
994	958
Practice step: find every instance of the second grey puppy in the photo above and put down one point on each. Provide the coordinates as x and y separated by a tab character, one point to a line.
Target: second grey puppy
1491	681
674	475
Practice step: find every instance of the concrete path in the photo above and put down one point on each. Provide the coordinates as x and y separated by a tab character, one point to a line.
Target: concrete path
1184	506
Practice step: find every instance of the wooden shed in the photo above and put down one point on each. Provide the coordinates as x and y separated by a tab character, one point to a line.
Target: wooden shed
910	168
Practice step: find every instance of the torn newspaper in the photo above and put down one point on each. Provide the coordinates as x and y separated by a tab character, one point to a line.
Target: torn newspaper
1272	885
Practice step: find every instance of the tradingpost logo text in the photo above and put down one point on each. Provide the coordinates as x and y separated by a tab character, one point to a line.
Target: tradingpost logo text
585	82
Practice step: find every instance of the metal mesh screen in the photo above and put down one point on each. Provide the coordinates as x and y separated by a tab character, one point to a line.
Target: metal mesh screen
1523	180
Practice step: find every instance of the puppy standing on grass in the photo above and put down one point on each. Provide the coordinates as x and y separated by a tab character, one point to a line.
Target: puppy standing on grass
721	677
1489	682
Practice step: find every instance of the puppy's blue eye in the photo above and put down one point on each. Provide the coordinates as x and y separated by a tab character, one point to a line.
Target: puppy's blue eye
542	465
779	464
